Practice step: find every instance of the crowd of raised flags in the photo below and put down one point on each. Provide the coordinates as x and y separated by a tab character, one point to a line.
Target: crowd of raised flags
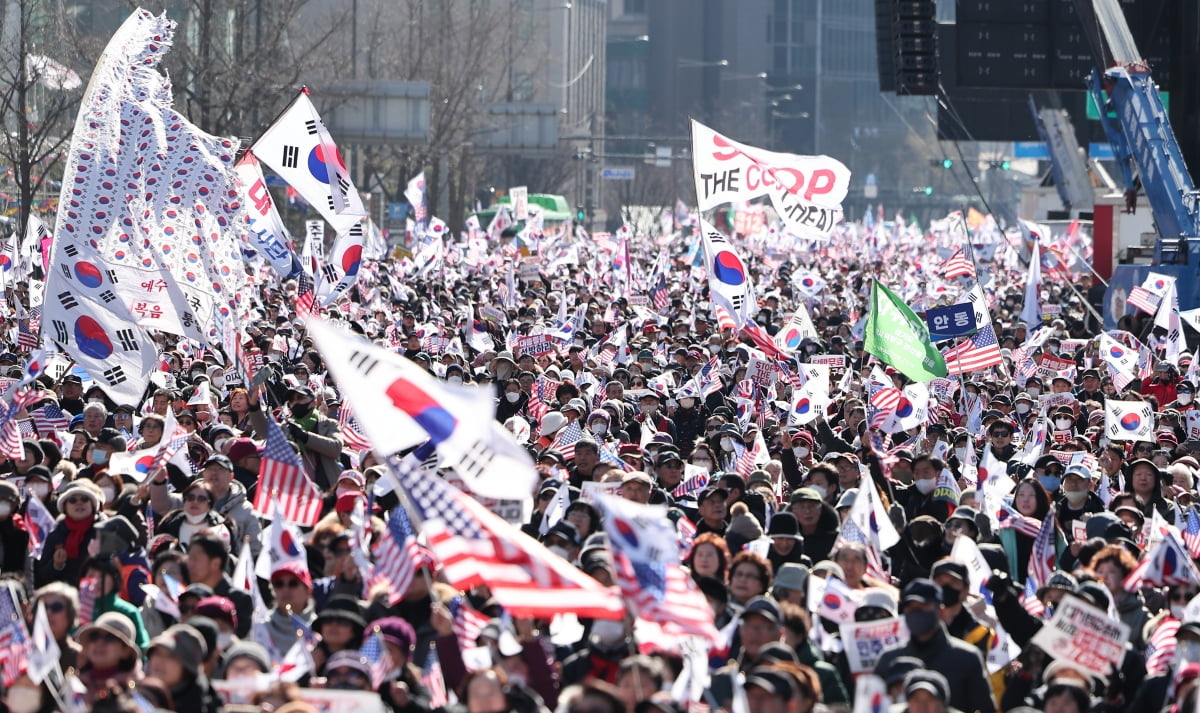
779	462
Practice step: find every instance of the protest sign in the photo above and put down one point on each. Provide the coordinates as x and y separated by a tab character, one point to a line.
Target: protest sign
1084	635
833	361
867	641
761	371
535	344
325	700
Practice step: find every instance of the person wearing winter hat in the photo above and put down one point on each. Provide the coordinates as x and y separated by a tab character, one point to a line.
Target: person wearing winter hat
66	547
787	545
742	529
341	626
245	659
403	690
174	657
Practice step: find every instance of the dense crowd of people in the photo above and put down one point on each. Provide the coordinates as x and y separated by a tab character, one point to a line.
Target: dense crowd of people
139	581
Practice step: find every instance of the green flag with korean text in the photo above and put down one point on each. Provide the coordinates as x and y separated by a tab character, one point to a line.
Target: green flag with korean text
899	338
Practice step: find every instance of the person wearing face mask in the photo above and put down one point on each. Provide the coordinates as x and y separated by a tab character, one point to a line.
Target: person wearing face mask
513	400
503	368
796	454
1063	421
1023	411
1034	387
727	439
196	514
318	436
960	622
651	416
1185	397
1152	694
960	662
1049	471
1077	500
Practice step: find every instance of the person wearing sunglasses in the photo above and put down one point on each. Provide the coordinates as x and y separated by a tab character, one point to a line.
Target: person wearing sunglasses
66	546
292	584
61	602
110	654
194	516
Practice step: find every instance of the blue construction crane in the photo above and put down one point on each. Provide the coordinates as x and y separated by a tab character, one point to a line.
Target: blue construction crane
1149	159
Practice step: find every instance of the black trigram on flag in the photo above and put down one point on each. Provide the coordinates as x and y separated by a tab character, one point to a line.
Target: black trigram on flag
737	301
311	126
291	156
364	362
67	300
114	376
128	339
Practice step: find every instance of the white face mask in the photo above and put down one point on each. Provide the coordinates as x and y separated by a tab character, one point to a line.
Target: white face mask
453	379
109	493
727	444
1177	611
219	445
1075	497
648	409
560	552
1063	424
820	490
688	403
961	454
5	508
925	487
1022	408
1033	391
714	349
23	699
40	489
607	631
513	396
195	519
1185	399
223	639
801	451
599	429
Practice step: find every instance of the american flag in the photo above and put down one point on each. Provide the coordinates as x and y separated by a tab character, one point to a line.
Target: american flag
706	381
725	320
608	456
541	395
659	296
1042	557
374	651
1160	650
697	482
282	477
687	536
654	583
1143	299
468	623
27	337
305	295
173	438
88	587
1191	533
764	341
883	405
1029	599
397	554
14	639
432	679
50	418
476	547
979	352
351	432
566	438
957	265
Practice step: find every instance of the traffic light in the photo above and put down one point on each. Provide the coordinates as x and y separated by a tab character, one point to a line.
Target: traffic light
929	190
1005	165
579	214
947	163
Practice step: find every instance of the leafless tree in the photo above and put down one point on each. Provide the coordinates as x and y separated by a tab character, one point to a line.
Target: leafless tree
236	63
39	97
